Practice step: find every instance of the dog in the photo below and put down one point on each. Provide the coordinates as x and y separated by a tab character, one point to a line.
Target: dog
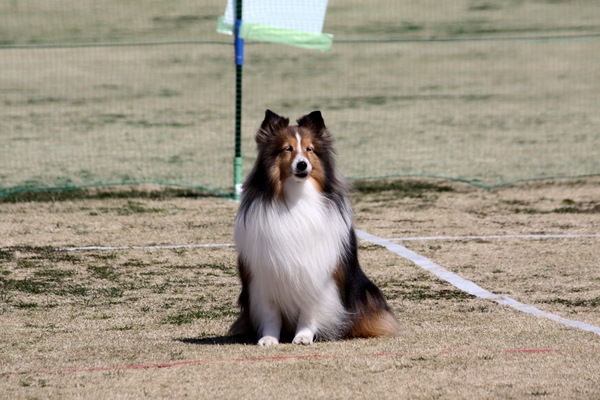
297	249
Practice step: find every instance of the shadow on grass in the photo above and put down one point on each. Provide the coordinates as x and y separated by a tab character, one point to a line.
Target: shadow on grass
217	340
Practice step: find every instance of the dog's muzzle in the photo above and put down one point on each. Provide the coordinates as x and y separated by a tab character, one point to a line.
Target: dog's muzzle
302	169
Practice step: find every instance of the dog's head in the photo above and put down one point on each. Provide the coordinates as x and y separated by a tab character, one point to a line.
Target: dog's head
299	151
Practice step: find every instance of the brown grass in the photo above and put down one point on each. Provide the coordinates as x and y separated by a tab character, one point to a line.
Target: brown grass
488	111
95	309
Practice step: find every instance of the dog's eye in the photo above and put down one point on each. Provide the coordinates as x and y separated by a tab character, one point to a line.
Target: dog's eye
289	148
309	149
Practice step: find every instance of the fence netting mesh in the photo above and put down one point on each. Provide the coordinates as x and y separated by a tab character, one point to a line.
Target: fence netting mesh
104	92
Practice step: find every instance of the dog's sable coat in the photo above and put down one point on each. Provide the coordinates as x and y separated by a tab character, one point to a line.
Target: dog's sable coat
297	250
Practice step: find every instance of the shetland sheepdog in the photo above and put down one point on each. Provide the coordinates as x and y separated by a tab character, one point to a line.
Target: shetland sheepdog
297	249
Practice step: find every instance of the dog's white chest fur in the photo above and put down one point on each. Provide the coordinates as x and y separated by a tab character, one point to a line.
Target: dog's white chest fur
292	249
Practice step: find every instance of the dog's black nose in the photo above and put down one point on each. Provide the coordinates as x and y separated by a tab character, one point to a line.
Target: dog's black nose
301	166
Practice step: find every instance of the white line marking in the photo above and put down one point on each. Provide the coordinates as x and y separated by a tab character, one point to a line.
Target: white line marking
185	246
489	237
469	286
391	240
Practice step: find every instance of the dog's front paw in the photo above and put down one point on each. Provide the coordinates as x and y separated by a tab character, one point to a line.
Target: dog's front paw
268	341
303	338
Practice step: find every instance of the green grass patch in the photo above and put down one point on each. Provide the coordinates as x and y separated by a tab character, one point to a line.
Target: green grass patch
409	289
54	275
45	196
404	188
528	210
26	285
595	302
418	294
132	207
188	316
28	264
35	254
228	270
570	207
104	256
581	208
122	328
103	272
25	305
76	290
6	255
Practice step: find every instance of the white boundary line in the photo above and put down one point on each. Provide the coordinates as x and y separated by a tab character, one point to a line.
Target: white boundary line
184	246
189	246
469	286
489	237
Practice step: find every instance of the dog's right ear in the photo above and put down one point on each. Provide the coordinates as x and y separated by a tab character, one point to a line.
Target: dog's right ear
271	127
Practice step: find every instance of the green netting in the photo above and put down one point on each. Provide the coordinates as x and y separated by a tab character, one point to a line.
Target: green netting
99	93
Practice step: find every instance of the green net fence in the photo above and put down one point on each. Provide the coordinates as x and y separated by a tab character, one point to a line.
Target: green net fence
104	92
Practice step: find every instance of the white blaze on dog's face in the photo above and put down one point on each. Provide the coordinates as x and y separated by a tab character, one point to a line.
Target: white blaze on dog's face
297	158
295	153
301	166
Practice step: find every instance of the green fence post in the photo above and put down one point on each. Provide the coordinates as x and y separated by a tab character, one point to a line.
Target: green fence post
239	62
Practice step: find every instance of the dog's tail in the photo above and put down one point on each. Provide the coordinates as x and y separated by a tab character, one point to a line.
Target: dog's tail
241	327
370	315
373	317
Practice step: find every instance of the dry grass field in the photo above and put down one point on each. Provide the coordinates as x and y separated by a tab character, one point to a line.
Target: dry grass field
484	91
91	319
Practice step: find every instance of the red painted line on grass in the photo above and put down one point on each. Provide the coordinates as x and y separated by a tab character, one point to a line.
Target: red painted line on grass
274	358
168	365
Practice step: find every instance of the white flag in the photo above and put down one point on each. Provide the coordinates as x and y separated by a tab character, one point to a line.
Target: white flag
293	22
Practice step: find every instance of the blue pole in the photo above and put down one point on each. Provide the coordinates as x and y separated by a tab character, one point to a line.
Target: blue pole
239	62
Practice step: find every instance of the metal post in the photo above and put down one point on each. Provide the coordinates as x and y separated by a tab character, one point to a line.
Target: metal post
239	62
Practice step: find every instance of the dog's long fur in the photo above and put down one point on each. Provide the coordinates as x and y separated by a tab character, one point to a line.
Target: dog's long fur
297	250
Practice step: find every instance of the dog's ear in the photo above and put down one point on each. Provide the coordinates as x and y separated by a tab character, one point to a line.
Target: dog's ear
272	125
314	122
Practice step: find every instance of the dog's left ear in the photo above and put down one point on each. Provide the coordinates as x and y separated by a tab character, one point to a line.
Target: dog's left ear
314	122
